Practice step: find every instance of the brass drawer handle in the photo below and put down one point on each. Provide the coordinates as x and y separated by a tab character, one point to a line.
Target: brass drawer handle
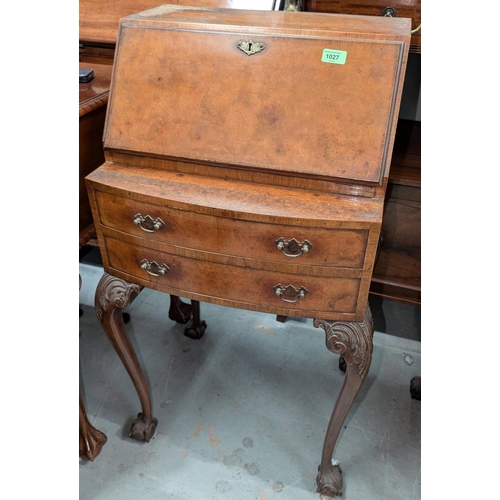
295	249
147	223
154	269
290	294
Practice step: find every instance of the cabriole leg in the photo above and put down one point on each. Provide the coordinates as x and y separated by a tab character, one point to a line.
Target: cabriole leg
113	295
354	342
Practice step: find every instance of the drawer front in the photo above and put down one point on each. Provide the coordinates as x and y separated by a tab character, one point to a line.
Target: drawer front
344	248
267	291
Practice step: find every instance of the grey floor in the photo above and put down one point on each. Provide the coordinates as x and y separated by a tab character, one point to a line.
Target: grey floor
242	413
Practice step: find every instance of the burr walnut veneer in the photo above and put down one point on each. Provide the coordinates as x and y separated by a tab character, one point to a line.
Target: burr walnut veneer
246	163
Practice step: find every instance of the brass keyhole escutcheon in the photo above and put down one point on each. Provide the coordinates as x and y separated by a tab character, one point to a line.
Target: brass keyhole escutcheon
250	47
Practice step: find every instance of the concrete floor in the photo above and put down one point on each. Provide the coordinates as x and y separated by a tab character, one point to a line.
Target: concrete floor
242	413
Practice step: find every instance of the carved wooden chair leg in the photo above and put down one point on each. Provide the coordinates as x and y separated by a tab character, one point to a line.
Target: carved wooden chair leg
112	295
179	311
196	328
91	439
354	341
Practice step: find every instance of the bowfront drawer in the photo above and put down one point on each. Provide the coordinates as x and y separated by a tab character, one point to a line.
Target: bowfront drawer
226	284
343	248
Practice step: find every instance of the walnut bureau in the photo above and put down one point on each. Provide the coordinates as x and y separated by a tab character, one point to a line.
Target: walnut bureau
226	180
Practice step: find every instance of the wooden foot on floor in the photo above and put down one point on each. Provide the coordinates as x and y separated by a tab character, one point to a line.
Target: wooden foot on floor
142	428
91	439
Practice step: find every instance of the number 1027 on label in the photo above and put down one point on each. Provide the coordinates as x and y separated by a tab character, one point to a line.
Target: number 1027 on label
334	56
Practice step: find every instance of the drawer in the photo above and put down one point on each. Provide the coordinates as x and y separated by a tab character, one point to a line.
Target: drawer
343	248
231	285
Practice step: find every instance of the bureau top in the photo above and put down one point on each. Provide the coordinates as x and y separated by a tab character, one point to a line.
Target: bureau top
293	93
225	19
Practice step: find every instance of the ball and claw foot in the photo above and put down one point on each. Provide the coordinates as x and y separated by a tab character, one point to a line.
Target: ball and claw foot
330	483
141	431
91	442
195	331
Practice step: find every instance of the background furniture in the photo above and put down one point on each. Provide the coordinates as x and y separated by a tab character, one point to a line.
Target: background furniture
99	21
93	99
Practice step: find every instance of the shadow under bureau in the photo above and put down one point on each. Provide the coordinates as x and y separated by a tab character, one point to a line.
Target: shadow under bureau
227	180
